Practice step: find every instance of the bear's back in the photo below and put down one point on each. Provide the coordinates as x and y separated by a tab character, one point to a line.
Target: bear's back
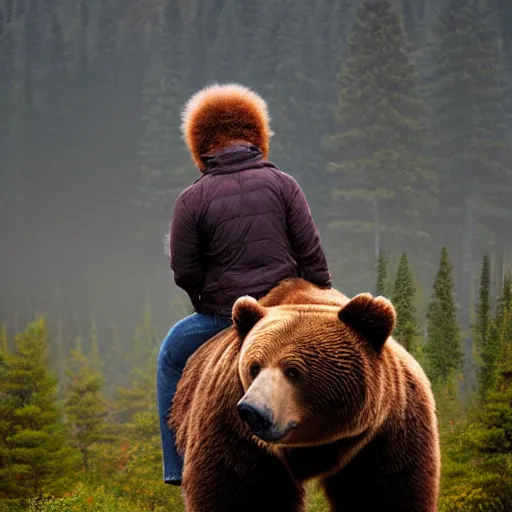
301	292
213	369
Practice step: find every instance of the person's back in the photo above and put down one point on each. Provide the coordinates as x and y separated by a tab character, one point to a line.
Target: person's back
251	222
241	228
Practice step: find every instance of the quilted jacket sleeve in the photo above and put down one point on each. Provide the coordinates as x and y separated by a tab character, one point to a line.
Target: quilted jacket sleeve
185	254
304	237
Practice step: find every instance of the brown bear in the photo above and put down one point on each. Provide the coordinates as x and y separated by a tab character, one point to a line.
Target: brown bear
307	384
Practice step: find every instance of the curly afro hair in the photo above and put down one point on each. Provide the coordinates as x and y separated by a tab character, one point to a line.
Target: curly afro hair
220	115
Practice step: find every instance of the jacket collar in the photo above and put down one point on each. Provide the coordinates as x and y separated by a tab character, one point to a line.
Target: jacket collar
234	158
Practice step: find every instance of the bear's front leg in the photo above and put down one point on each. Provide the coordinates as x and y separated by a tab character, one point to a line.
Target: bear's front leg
370	483
370	493
236	475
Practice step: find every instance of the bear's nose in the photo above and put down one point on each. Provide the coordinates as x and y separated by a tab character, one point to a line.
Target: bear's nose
257	419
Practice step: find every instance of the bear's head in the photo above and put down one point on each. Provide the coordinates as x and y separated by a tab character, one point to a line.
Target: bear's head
312	374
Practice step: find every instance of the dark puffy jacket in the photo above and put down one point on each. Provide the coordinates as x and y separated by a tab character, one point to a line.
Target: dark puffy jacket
241	228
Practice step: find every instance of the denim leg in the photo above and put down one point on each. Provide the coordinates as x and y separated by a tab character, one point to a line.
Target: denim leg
181	342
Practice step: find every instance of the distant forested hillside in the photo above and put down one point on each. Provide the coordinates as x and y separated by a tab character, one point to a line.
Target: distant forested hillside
395	116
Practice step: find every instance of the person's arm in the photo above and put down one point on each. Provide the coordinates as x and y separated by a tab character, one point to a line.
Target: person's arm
185	254
304	237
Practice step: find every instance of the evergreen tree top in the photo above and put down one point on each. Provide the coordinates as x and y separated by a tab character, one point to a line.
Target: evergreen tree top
382	124
35	458
382	274
442	349
404	299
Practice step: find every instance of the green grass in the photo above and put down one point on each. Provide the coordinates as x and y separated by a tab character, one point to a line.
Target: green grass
82	499
315	500
99	499
87	498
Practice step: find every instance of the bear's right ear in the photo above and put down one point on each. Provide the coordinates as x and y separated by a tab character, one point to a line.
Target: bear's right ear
247	311
373	318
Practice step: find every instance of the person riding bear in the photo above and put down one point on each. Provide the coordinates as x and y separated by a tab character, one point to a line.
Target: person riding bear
240	229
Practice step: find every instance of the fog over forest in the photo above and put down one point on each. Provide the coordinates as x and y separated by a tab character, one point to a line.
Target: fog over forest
92	159
395	117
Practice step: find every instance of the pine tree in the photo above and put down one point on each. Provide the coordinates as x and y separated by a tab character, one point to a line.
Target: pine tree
384	183
58	60
154	154
35	459
502	371
226	61
472	137
286	96
485	445
86	409
7	71
5	424
382	274
132	57
237	22
316	92
265	56
442	347
57	122
116	362
505	16
489	441
144	339
9	126
403	298
484	341
4	344
139	457
163	159
105	62
60	356
94	356
471	142
32	39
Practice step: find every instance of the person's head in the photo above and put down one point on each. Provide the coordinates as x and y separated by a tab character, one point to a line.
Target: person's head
221	115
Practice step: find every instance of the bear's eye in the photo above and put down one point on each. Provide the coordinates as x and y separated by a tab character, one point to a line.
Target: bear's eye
254	370
292	373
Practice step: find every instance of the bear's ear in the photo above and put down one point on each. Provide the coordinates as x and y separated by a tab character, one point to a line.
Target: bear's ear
373	318
247	311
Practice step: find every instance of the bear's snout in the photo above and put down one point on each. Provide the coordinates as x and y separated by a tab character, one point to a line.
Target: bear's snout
268	406
261	423
258	420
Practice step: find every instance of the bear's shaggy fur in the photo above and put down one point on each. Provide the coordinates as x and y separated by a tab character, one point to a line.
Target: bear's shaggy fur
220	115
345	404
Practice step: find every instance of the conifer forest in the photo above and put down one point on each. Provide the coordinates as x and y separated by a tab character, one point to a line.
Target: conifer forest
394	116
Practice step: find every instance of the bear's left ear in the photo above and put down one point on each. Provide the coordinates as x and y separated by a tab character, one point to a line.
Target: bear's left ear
247	311
373	318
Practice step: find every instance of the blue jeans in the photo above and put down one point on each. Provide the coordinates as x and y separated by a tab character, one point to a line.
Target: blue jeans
182	341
